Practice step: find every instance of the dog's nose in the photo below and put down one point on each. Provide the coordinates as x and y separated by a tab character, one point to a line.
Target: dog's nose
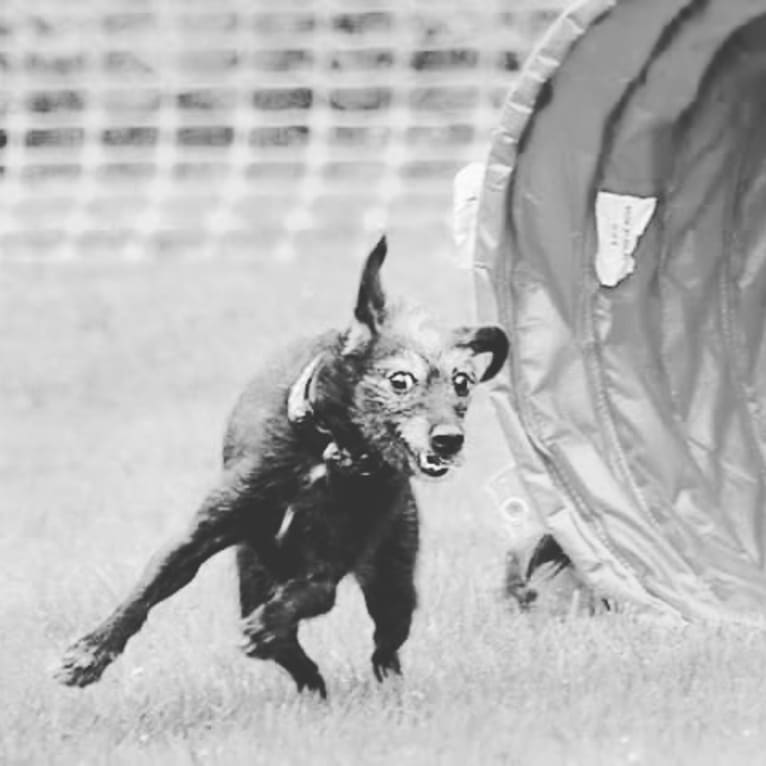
446	441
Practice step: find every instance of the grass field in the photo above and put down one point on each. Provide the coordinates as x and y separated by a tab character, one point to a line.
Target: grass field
115	383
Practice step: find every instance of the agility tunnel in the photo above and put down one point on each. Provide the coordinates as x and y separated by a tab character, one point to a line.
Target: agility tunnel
621	241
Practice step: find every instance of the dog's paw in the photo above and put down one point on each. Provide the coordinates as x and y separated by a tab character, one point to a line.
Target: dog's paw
83	663
258	641
385	662
313	683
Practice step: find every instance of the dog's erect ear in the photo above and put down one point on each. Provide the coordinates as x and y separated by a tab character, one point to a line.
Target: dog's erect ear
371	301
370	310
489	339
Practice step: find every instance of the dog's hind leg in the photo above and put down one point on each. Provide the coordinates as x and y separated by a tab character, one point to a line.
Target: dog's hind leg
271	630
215	527
256	584
388	585
289	653
256	587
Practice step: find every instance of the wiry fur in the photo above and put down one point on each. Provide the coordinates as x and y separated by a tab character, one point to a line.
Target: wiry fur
302	517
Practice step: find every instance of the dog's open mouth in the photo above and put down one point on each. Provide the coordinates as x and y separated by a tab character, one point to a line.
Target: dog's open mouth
432	465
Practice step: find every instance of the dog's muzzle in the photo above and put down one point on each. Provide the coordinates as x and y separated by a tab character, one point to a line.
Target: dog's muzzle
445	443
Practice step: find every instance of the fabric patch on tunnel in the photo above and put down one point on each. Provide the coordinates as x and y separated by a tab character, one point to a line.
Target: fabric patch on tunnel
621	219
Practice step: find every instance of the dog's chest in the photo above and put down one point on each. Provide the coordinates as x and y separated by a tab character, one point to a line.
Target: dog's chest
338	520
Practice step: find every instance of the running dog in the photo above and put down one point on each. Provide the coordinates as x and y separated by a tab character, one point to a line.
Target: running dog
317	461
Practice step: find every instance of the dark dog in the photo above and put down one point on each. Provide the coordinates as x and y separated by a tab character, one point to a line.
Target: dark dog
317	458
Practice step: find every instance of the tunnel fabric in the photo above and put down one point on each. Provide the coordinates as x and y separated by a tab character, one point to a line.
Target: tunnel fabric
636	412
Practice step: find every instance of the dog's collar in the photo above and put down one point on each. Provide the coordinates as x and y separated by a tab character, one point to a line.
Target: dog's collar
302	411
300	400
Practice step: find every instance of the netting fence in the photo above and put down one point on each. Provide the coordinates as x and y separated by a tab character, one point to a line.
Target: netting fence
143	127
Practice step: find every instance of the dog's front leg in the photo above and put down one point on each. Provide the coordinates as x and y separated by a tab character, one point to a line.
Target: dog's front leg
214	528
388	585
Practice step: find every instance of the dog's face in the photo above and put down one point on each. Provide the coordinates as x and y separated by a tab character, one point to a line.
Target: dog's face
414	380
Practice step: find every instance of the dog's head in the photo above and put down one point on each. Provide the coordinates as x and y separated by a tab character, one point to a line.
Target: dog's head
413	380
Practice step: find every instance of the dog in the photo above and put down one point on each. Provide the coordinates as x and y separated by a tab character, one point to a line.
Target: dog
317	461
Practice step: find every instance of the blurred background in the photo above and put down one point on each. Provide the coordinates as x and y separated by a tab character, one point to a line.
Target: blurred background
184	186
137	128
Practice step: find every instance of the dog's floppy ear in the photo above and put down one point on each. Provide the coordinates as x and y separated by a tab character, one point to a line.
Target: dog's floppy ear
370	309
488	339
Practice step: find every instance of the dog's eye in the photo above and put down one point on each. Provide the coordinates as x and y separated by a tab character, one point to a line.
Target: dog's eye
402	382
462	383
